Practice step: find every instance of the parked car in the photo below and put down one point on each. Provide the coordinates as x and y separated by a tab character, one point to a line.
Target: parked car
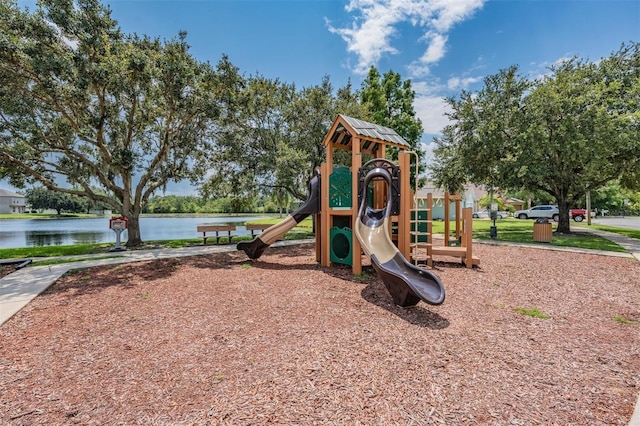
546	211
481	214
580	214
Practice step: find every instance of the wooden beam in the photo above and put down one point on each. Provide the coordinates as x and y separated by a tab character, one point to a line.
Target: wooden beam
406	204
356	163
325	226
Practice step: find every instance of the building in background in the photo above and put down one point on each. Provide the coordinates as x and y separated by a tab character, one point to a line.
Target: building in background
10	202
469	198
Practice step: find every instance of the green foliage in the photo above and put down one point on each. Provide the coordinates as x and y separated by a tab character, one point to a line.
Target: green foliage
569	133
43	199
270	141
534	312
389	100
536	197
623	320
485	202
479	146
83	103
615	198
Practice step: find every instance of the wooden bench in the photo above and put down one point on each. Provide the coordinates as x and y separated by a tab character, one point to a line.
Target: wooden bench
217	229
460	252
256	227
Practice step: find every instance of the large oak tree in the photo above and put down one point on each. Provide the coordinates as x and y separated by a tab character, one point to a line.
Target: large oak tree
83	105
568	133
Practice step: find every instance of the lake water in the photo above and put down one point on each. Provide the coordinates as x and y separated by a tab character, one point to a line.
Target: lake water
67	231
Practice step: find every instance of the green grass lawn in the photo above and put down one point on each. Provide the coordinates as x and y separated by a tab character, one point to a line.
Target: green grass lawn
511	230
307	223
582	240
521	231
483	225
42	215
632	233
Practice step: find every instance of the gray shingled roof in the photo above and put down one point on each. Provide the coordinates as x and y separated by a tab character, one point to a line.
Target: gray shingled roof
6	193
370	130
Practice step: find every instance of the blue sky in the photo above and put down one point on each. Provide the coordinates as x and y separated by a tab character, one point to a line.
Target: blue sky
443	46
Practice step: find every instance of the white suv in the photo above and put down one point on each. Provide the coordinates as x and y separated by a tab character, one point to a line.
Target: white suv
550	212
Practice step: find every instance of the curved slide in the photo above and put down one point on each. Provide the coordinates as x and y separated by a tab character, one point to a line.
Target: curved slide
407	283
259	244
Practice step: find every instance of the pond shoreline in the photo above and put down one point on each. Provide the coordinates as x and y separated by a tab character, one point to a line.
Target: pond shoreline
39	231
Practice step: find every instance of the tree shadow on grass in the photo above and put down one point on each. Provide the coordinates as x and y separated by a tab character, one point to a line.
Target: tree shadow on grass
126	275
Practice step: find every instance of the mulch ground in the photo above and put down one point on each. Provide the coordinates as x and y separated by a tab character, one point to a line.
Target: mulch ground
6	270
219	339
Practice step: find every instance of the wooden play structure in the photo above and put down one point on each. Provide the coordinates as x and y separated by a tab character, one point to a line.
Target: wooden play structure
461	246
355	141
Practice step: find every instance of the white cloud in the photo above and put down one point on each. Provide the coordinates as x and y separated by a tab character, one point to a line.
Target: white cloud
431	109
436	49
375	25
456	83
418	70
427	149
540	71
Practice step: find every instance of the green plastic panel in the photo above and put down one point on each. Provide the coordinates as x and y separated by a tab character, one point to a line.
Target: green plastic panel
341	242
340	187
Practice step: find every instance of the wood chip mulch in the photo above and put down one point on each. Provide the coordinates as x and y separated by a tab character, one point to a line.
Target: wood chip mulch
6	269
219	339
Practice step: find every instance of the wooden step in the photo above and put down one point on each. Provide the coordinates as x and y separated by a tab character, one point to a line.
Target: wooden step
460	252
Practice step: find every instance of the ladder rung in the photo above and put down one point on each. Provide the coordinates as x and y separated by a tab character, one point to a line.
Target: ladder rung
420	257
420	245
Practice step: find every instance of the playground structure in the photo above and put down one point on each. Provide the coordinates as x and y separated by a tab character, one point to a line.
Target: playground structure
458	245
373	201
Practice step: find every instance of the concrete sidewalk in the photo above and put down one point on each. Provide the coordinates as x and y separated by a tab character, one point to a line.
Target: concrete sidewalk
22	286
632	245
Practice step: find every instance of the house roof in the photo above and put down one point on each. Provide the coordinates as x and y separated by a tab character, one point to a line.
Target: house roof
6	193
371	135
430	187
513	199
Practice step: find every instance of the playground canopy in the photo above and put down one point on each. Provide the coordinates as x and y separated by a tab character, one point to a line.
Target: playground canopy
371	135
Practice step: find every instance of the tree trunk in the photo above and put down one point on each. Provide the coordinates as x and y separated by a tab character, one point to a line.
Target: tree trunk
133	232
563	222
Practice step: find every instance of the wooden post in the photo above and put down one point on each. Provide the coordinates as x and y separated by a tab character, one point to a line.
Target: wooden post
430	230
325	225
318	224
467	236
458	216
356	163
406	204
447	214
